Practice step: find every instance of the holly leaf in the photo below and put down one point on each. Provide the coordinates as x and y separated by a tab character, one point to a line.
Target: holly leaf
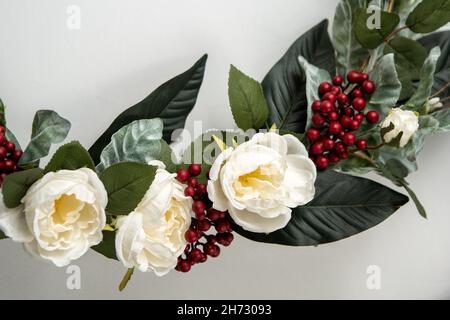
344	205
429	15
285	85
71	156
171	102
247	101
16	185
48	128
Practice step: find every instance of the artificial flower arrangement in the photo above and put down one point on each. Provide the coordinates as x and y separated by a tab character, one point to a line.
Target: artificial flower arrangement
329	111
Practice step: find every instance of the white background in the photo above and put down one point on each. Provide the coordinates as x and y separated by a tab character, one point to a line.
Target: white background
123	51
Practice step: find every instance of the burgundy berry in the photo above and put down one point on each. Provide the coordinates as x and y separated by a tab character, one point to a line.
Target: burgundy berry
3	152
195	255
357	94
359	117
349	139
372	117
10	146
334	127
348	111
333	158
328	143
201	189
203	225
343	155
191	236
213	214
316	105
330	97
333	116
326	106
318	120
192	182
324	87
2	129
223	226
9	165
354	125
364	76
345	121
199	208
195	169
189	192
359	104
354	76
2	140
336	90
313	134
361	144
342	98
322	162
317	148
185	266
338	80
183	175
2	165
368	86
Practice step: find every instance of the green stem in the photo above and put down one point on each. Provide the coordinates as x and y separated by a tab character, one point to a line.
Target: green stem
125	279
414	197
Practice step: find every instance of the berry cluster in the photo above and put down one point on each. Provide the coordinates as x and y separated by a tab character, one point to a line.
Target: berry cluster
206	219
337	115
9	156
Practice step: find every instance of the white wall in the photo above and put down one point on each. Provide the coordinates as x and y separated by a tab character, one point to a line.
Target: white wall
123	51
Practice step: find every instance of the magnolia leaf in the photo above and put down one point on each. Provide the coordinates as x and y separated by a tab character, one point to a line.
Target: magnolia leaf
138	141
343	206
48	128
107	247
314	77
71	156
126	184
285	85
429	15
423	92
16	185
247	101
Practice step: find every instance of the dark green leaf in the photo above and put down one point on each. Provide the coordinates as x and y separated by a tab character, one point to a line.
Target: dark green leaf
16	185
344	205
171	102
429	15
372	38
107	247
2	235
126	184
284	86
247	101
407	84
11	137
70	156
166	156
416	200
408	54
2	114
48	128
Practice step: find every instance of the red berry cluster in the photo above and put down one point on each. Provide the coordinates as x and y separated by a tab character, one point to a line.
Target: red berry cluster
201	245
9	156
337	115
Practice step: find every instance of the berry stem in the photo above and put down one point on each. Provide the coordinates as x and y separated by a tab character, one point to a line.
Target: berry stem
125	279
364	157
378	146
441	90
390	7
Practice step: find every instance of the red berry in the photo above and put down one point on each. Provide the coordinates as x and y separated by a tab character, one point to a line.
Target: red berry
342	98
341	134
313	134
357	94
195	169
322	162
189	192
318	120
359	117
328	143
199	209
192	182
354	76
343	155
336	90
213	214
333	116
195	255
345	121
191	236
212	250
223	225
364	76
349	139
184	266
359	104
372	117
17	154
201	189
333	158
2	165
2	129
334	127
9	165
354	125
203	258
211	238
361	144
225	239
10	146
203	225
3	152
182	175
338	80
2	140
324	87
326	106
329	97
317	148
348	111
316	105
368	86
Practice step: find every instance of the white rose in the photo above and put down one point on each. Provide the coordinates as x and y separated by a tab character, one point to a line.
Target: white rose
260	180
62	216
152	236
404	121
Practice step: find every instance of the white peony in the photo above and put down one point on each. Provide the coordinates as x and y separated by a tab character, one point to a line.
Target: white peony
404	121
152	236
260	180
62	216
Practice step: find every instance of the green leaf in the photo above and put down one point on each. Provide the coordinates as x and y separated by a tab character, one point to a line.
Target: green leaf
2	114
16	185
350	55
171	102
443	117
314	77
285	85
404	77
429	15
372	38
344	205
166	156
70	156
126	184
107	247
247	101
138	141
442	73
423	92
2	235
11	137
408	54
48	127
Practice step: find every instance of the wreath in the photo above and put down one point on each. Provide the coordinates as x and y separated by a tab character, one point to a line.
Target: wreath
329	111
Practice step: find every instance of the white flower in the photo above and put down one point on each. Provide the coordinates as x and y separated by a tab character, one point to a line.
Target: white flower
434	104
260	180
152	236
62	216
404	121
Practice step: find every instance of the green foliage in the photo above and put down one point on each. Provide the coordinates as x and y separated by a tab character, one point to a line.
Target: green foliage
70	156
16	185
429	15
107	247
